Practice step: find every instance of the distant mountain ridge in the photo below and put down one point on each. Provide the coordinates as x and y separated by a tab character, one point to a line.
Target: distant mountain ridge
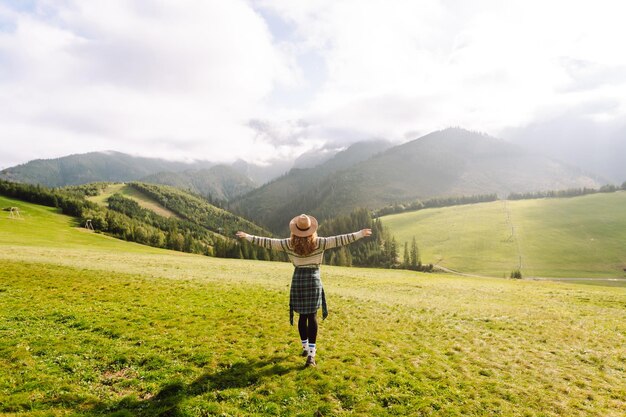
451	162
358	151
444	163
300	188
261	174
219	182
204	177
93	167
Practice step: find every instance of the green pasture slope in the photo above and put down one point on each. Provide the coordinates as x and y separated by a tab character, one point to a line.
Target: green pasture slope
568	237
127	191
94	326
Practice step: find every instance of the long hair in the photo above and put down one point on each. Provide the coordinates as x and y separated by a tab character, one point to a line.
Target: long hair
303	246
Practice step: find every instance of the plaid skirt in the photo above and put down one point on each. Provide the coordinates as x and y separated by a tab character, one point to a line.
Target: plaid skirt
307	293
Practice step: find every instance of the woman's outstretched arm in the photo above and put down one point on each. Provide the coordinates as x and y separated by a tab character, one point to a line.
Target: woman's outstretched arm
342	240
265	242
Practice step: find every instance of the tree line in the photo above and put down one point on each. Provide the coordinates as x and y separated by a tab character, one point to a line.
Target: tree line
412	260
89	190
434	203
70	203
197	209
365	252
570	192
484	198
380	250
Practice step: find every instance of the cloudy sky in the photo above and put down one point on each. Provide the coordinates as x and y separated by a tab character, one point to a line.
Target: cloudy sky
258	80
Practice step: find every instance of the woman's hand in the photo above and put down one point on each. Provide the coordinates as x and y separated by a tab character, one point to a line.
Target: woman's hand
241	235
366	232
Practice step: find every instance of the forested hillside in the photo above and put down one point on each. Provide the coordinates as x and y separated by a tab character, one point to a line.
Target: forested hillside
111	166
200	227
378	251
91	167
301	189
197	209
219	183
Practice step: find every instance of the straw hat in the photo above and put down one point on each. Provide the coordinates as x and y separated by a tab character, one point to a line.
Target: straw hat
303	225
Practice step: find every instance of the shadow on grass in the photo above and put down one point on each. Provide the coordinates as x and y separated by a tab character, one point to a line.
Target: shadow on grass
166	402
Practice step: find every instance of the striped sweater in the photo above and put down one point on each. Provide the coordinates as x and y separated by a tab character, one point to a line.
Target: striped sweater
312	260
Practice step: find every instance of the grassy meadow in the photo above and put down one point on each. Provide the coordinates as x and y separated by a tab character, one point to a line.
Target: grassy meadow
566	237
128	191
94	326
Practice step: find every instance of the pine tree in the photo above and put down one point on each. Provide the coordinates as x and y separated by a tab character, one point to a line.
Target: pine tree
342	259
263	254
333	259
251	254
405	258
393	255
218	249
187	242
414	253
245	250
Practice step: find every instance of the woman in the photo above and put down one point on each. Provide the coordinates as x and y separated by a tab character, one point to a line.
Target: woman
305	250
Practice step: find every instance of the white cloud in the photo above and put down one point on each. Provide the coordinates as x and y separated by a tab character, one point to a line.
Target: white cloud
401	66
137	76
272	78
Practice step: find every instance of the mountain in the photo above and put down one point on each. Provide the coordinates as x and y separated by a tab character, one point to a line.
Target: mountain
314	158
317	157
355	153
113	166
592	145
220	182
444	163
288	192
92	167
261	174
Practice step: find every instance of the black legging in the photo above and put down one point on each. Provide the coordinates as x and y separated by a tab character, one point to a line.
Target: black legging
307	326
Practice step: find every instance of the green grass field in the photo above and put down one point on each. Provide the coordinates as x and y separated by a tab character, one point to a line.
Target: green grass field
127	191
569	237
94	326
